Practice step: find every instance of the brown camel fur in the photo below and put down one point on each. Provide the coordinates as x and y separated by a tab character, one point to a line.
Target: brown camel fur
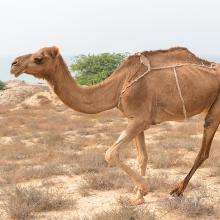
152	99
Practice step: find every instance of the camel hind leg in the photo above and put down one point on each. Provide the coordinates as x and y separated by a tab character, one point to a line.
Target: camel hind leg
212	121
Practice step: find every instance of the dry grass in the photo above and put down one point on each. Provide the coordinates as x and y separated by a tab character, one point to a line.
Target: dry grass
109	179
196	205
167	159
83	191
56	163
124	212
213	161
22	203
54	141
177	141
91	160
40	172
158	182
168	149
190	127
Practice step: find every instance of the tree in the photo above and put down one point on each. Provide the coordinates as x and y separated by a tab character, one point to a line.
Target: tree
92	69
2	85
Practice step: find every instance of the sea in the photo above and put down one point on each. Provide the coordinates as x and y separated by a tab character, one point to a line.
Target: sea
5	64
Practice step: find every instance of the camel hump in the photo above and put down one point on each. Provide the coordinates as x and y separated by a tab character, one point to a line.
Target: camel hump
172	56
159	58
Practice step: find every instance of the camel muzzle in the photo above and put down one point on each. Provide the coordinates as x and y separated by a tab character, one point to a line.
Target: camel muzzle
16	69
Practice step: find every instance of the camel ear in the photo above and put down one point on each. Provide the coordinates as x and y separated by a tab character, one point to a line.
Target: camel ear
54	52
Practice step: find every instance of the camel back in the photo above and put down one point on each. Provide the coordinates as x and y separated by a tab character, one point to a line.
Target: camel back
158	58
172	56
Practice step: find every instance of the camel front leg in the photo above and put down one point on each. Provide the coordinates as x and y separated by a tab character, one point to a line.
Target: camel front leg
112	157
142	157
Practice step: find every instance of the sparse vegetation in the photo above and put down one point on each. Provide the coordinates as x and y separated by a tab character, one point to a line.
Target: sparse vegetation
158	182
167	159
55	155
24	202
2	85
124	212
196	205
40	172
91	160
106	180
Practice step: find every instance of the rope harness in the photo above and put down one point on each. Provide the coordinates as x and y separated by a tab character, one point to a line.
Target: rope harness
145	61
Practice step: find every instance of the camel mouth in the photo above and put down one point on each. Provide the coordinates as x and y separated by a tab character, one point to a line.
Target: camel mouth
16	72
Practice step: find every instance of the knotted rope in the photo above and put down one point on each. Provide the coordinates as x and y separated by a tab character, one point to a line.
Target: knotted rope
149	68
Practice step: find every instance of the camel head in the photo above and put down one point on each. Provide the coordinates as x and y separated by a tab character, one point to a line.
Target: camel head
39	64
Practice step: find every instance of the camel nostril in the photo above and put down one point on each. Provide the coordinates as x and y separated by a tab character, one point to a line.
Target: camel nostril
14	63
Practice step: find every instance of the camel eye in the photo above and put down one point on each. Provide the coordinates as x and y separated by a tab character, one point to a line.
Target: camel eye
38	60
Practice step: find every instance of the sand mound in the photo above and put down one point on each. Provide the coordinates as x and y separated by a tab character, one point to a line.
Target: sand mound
17	91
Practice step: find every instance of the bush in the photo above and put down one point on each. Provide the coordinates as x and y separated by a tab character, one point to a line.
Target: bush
106	180
90	79
22	203
199	203
2	85
92	69
124	211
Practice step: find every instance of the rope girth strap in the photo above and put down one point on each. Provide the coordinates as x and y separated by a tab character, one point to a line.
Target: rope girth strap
180	93
145	61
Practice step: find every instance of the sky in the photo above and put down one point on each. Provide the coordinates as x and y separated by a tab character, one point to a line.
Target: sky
95	26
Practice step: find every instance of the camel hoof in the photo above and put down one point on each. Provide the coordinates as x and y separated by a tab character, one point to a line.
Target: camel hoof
137	201
143	188
139	198
177	192
144	191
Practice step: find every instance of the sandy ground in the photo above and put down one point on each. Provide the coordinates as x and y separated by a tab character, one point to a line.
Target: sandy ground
52	163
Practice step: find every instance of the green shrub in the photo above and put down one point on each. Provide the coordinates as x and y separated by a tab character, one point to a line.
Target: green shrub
2	85
92	69
90	79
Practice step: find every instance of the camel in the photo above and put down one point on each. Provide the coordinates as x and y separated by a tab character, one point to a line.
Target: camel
149	88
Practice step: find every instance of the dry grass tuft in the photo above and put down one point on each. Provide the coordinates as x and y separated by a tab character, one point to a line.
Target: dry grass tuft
22	203
91	160
176	140
83	191
39	172
196	205
215	171
124	212
106	180
167	159
158	182
213	161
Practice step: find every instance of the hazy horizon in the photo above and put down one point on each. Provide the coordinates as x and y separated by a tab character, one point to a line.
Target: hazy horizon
96	26
5	62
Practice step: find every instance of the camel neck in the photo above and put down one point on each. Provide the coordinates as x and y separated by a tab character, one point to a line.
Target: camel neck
86	99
